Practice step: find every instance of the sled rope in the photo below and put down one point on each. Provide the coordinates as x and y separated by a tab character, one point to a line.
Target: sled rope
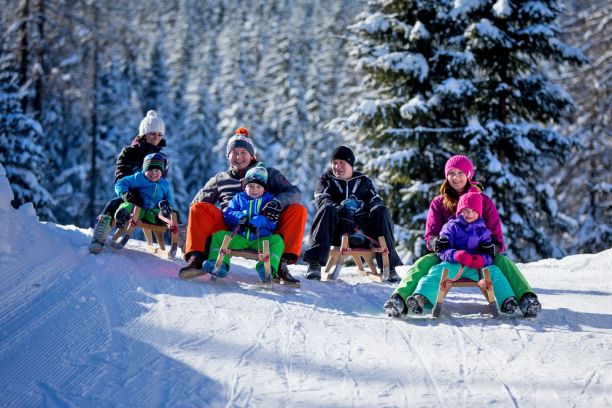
446	283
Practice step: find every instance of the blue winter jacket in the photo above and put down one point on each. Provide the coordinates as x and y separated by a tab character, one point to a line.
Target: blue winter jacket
462	235
151	193
243	205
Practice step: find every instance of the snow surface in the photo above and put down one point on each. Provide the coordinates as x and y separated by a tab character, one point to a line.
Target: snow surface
119	329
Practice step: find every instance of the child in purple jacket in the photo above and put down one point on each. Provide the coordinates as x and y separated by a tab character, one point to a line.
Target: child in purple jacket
464	233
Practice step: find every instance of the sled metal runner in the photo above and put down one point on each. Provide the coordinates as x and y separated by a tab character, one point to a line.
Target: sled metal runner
263	256
484	284
122	236
337	255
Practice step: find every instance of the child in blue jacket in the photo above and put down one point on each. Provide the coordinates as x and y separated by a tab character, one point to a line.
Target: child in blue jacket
152	188
464	233
248	226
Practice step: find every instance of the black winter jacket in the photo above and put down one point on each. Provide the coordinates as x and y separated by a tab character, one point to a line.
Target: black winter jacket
130	158
332	190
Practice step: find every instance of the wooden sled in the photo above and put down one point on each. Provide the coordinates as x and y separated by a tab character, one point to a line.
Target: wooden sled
121	237
337	255
484	284
263	256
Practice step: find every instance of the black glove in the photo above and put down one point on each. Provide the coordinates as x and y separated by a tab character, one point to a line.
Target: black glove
243	223
132	197
272	210
439	244
489	248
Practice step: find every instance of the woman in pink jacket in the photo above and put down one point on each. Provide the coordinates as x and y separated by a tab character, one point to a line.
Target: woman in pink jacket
459	172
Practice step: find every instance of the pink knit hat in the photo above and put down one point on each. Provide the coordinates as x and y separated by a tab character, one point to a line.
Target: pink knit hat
462	163
472	201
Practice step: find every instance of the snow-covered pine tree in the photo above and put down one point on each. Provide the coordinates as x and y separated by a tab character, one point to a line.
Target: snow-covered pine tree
411	111
511	137
21	152
583	184
463	78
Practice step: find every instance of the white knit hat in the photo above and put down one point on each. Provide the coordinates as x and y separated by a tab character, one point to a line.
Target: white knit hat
151	124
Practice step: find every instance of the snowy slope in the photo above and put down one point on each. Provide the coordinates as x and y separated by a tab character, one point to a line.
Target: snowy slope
119	329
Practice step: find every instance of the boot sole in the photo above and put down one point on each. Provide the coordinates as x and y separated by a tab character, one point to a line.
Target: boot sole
190	273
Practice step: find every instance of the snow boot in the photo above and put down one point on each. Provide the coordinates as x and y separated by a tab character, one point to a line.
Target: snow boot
395	306
209	267
530	305
416	303
261	271
509	305
284	277
393	276
100	233
121	217
314	271
193	268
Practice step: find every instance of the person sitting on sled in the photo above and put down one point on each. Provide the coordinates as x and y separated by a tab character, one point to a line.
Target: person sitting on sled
347	202
249	228
150	140
206	210
465	234
153	190
459	180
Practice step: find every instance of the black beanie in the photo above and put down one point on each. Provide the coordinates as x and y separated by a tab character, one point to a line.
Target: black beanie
344	153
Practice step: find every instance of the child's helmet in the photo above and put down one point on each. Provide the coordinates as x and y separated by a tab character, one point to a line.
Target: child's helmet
156	161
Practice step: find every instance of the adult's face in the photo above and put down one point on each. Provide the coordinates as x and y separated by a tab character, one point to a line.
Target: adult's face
342	169
154	138
239	158
457	179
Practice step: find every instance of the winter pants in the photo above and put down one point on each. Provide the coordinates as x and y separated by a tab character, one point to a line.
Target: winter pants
239	242
324	232
205	219
421	267
112	206
149	216
430	284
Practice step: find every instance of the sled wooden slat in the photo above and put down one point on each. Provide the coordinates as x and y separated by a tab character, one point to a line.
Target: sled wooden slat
485	285
337	255
263	256
149	231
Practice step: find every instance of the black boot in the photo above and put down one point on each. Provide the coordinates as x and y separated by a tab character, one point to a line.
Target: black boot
193	268
284	277
314	271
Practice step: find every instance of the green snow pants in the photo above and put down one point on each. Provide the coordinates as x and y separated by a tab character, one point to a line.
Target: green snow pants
421	267
238	242
430	284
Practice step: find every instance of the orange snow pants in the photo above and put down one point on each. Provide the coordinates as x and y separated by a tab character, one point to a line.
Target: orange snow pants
205	219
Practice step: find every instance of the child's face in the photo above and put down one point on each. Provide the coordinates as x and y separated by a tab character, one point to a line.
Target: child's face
469	215
254	190
153	175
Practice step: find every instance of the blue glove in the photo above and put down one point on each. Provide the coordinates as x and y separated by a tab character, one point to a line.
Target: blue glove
259	221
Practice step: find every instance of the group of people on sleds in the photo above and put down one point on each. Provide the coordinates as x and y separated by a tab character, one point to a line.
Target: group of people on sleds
253	203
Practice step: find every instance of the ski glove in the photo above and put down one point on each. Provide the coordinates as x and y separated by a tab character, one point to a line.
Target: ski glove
132	197
243	223
469	260
489	248
439	244
272	210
